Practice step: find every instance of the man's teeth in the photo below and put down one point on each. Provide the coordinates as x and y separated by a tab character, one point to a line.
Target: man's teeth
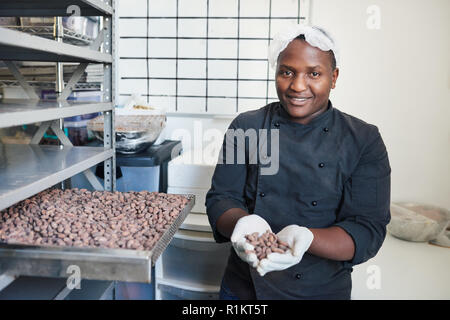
300	99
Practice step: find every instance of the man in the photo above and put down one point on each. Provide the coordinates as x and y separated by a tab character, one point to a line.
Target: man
329	199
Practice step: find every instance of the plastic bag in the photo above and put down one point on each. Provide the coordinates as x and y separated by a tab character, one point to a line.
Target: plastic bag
417	222
137	125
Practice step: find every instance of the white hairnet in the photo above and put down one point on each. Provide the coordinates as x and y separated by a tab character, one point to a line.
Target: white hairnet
315	36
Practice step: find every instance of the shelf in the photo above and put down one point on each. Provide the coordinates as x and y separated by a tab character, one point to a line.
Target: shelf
47	31
200	287
52	8
94	263
28	169
85	86
29	288
20	46
93	290
14	112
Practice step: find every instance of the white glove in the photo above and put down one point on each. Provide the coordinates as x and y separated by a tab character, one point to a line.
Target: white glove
299	240
244	226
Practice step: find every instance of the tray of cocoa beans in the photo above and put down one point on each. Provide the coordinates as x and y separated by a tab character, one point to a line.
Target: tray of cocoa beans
102	235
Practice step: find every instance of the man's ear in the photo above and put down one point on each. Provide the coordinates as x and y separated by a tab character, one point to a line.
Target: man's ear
334	77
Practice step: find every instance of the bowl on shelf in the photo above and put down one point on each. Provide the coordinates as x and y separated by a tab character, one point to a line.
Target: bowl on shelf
135	129
417	222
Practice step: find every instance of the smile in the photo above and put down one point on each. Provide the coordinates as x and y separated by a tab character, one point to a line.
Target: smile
299	101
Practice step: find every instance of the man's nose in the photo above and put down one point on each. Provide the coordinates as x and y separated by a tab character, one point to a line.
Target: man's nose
299	83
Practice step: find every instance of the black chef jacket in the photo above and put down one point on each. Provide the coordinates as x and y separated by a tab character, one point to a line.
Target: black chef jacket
333	171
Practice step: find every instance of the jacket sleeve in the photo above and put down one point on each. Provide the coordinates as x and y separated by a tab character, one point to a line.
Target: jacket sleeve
365	210
228	183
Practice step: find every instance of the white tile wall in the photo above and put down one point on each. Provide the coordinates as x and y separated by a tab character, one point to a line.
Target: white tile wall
255	8
196	59
161	68
220	88
132	86
166	103
222	28
161	8
132	68
191	105
166	48
223	8
192	88
221	105
132	28
192	28
192	8
223	69
253	49
162	28
222	48
271	73
277	25
253	28
252	88
162	87
132	48
285	8
191	69
132	8
250	104
272	90
253	69
191	48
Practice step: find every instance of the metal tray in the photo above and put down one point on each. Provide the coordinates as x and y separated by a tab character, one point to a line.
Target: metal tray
92	263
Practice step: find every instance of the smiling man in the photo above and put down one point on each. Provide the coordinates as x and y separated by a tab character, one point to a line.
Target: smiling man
329	200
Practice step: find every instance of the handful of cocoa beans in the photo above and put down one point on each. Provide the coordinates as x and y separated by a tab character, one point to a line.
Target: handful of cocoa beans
265	244
81	218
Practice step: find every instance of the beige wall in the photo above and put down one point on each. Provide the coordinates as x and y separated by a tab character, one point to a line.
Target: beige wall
398	78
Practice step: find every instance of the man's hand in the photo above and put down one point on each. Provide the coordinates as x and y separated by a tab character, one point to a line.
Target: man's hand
298	238
247	225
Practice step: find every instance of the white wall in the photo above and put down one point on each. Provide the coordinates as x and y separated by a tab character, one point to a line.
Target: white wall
398	78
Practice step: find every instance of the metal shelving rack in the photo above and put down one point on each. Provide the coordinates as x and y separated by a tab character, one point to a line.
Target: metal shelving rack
28	169
16	45
51	84
47	31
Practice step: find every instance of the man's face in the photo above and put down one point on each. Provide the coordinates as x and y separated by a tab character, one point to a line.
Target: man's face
304	79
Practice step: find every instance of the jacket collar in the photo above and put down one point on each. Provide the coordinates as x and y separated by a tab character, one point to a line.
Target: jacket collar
281	116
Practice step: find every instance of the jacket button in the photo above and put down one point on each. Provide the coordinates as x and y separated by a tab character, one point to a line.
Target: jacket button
314	203
298	276
277	124
326	129
321	165
262	194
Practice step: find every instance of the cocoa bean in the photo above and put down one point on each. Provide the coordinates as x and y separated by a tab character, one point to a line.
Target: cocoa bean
78	217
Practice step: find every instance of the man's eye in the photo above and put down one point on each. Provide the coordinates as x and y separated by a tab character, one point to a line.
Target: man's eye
315	74
286	73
